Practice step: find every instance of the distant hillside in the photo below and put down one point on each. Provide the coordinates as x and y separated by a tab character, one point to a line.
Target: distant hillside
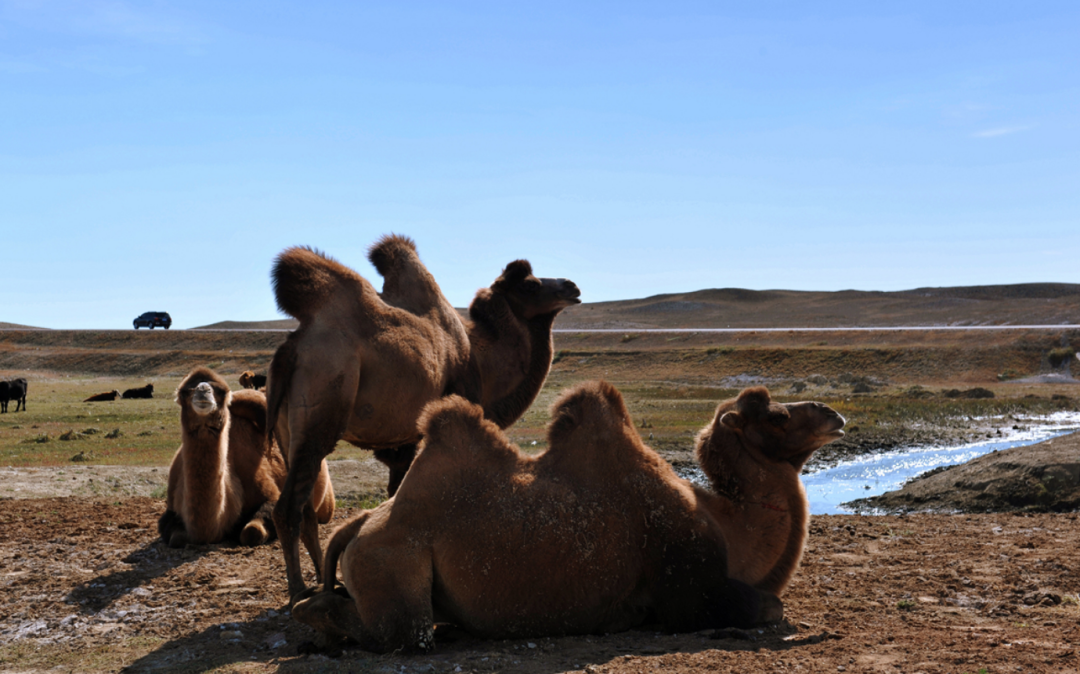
280	324
1022	304
16	326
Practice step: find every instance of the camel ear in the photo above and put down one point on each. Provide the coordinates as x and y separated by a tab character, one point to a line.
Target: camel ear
733	421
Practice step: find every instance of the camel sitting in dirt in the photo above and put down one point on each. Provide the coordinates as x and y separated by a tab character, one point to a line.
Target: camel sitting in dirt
362	365
753	452
249	379
597	534
226	476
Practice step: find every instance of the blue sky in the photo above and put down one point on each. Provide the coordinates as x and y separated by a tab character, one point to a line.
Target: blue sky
158	155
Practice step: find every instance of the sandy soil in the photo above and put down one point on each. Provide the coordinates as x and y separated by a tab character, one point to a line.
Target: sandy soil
86	586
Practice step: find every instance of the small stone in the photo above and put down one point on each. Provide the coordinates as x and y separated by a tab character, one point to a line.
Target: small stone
531	645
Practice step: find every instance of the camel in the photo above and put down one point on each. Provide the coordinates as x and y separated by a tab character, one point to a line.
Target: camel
752	452
226	476
103	397
596	535
249	379
362	365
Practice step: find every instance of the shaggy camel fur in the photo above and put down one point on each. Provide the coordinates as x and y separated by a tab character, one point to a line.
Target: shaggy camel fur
103	397
226	476
362	365
249	379
753	452
597	534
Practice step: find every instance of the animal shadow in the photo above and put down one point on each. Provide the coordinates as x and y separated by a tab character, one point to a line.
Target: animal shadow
151	561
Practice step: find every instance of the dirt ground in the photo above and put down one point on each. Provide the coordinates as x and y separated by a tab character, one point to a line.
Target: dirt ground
86	586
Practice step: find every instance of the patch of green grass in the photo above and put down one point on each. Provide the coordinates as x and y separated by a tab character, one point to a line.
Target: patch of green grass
149	428
905	604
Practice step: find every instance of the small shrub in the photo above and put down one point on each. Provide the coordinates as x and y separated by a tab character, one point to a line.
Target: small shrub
1061	356
905	604
628	338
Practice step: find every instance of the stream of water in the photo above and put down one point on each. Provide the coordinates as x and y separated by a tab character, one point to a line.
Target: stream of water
876	474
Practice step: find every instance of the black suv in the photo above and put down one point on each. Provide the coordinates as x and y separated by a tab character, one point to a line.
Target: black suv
153	319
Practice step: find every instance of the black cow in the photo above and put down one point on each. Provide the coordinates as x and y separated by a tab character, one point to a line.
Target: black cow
144	392
14	389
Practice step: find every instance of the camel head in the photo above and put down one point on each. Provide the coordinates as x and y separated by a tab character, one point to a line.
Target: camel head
204	393
530	296
773	432
592	412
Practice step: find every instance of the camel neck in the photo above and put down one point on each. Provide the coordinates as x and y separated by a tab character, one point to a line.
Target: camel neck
206	449
769	501
508	408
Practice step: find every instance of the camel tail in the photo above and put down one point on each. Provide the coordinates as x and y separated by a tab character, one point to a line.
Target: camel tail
391	251
303	278
278	384
339	540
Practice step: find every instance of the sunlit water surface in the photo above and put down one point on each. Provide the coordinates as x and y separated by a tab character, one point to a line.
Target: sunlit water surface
876	474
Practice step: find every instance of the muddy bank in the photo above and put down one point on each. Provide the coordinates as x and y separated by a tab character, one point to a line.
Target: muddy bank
1043	477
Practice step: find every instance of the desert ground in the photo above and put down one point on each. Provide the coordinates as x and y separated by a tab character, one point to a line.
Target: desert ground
86	586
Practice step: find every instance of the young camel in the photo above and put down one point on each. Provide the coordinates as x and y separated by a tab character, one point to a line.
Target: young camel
597	534
226	476
362	365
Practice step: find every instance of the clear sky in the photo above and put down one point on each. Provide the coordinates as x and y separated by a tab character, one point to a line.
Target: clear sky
158	155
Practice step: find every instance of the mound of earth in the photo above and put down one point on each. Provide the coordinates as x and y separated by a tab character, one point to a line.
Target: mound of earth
1044	477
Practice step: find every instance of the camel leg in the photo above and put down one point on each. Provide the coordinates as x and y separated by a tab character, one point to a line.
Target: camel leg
260	528
398	461
291	520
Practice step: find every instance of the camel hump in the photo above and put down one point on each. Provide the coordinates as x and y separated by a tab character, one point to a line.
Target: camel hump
250	405
596	408
455	425
391	252
303	278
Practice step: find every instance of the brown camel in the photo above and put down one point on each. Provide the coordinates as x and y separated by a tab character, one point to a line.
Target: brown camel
753	452
226	476
249	379
103	397
362	365
597	534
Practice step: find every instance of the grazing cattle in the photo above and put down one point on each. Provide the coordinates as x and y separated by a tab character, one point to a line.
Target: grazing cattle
103	397
249	379
14	389
143	392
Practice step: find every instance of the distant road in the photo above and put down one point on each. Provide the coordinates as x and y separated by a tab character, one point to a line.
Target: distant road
923	328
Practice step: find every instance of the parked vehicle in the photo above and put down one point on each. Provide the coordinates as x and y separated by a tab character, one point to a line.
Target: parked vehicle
153	319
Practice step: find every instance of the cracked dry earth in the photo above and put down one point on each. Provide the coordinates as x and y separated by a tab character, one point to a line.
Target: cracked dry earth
85	586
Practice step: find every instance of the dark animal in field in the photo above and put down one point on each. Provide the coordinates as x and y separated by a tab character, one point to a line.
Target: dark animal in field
249	379
13	389
227	474
596	535
141	392
103	397
362	365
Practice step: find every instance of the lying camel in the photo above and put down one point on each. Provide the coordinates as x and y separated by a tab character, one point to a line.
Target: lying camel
141	392
362	365
226	476
103	397
249	379
597	534
753	452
